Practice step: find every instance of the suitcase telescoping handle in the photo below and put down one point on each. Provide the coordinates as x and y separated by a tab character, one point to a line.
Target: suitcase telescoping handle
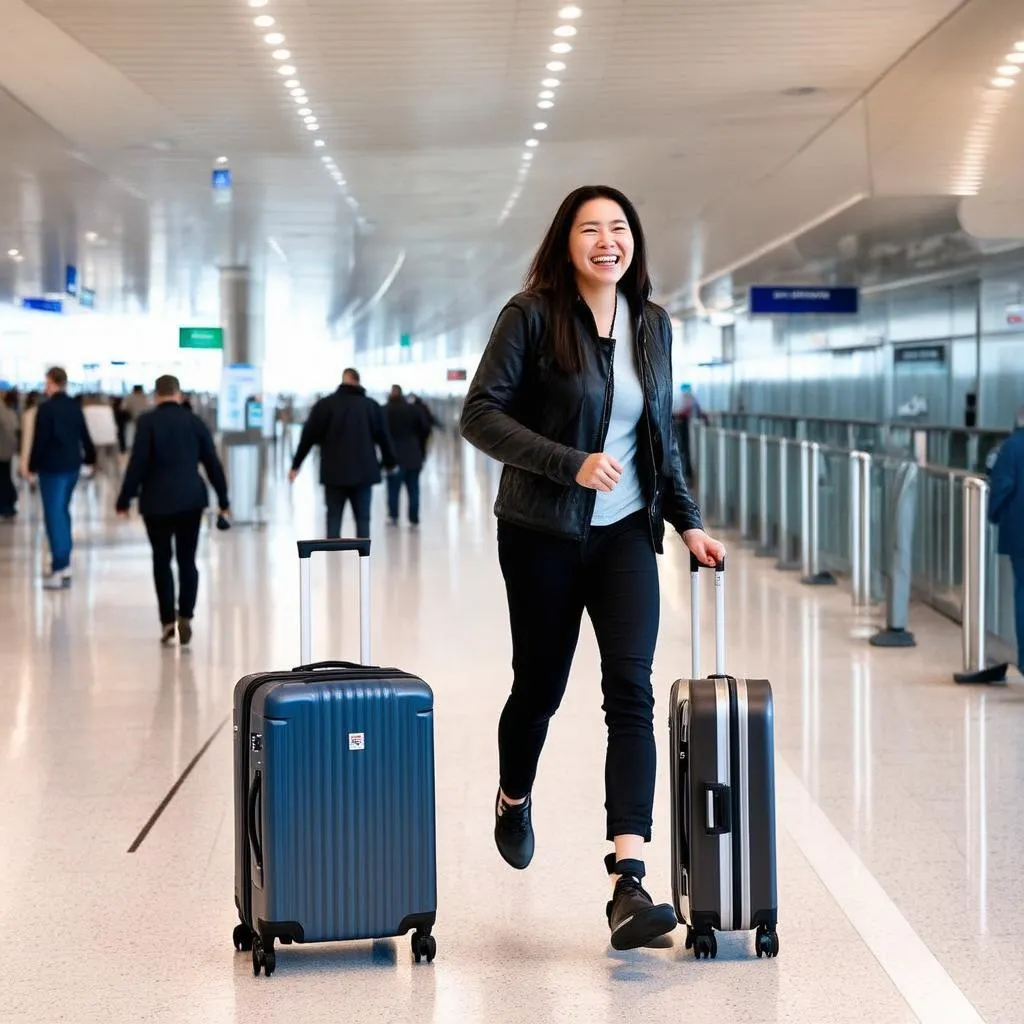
306	549
695	567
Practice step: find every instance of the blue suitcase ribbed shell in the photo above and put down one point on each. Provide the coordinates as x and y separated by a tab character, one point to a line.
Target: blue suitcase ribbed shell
343	804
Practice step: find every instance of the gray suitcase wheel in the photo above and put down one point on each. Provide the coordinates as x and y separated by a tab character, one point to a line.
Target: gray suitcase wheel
704	944
767	942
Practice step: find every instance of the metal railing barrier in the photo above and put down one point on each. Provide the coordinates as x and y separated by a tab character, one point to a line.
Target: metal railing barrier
975	588
860	528
810	515
901	516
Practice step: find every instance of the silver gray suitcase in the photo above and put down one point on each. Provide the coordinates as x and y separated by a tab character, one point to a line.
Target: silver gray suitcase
721	733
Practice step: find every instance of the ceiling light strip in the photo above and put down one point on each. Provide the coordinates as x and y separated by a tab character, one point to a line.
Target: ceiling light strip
545	98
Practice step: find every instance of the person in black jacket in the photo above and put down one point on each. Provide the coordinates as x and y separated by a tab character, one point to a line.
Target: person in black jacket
349	426
60	445
409	425
170	444
573	394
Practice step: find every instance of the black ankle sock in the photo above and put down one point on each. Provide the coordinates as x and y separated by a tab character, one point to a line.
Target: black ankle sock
634	868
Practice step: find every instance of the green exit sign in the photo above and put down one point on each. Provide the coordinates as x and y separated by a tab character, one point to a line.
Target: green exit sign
200	337
405	341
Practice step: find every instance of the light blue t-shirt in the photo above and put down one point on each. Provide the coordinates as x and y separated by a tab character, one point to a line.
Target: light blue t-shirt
627	412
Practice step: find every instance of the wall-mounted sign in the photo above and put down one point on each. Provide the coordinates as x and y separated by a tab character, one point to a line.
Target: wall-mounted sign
456	374
919	355
772	300
201	337
221	178
71	280
405	341
87	298
41	305
239	383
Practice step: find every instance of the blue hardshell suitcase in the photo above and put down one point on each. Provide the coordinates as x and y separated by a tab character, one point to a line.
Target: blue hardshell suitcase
722	738
335	833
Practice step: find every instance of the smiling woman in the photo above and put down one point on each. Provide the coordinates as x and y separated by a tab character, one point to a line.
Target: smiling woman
573	394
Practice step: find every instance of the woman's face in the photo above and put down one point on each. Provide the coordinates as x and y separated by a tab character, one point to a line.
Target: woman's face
600	243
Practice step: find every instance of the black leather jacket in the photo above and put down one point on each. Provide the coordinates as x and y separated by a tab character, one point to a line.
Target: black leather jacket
543	423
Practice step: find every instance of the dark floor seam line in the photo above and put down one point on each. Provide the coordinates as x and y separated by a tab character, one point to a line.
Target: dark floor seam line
174	789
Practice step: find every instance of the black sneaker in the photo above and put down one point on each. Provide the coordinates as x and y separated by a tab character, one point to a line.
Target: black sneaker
184	631
632	916
513	832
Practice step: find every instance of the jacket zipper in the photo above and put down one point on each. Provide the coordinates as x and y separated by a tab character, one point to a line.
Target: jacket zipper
645	372
606	416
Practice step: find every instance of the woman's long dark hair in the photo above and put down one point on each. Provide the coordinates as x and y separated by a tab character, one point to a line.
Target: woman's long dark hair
553	275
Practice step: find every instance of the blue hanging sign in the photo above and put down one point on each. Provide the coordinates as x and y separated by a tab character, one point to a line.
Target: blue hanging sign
41	305
71	280
88	298
222	178
773	300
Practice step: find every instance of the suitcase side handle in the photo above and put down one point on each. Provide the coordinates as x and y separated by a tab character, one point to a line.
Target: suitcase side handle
361	545
254	837
718	808
695	566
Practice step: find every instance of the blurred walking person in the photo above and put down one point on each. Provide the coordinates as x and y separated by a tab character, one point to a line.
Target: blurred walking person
170	444
60	446
409	425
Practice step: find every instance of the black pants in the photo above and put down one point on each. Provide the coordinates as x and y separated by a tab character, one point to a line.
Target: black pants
8	492
182	531
337	497
550	581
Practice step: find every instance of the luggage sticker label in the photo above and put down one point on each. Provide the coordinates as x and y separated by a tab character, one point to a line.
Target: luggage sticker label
356	741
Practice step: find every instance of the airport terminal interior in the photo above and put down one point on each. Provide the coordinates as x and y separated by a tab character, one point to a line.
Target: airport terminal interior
210	212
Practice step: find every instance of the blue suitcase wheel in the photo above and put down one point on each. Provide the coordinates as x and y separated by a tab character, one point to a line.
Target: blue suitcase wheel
424	945
243	938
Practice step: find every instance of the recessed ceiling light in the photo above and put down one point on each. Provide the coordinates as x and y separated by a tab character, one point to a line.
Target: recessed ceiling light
545	104
222	159
314	127
281	54
91	236
327	159
286	69
304	110
1015	58
292	83
532	142
1003	83
570	11
263	21
550	83
258	3
527	156
273	38
547	94
298	92
12	252
320	143
556	65
560	48
566	31
1019	45
1009	70
540	126
301	99
310	119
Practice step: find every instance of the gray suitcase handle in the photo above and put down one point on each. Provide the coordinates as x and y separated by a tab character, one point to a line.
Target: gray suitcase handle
695	568
306	549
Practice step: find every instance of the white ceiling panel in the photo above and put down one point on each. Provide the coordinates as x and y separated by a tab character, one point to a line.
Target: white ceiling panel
426	106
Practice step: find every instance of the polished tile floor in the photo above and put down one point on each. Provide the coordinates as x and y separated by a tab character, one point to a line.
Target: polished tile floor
901	796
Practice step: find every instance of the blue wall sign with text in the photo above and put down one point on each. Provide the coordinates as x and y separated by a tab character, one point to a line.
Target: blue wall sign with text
222	177
43	305
774	300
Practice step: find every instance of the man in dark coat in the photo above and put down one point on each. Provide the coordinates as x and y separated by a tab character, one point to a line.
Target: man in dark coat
170	444
60	445
1006	510
349	427
409	424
